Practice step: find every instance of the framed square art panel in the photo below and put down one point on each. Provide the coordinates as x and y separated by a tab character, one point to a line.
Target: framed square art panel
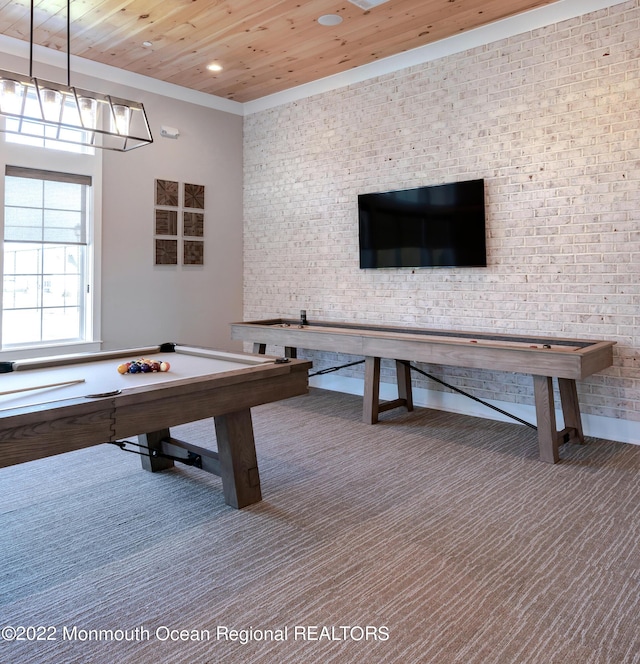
193	252
166	252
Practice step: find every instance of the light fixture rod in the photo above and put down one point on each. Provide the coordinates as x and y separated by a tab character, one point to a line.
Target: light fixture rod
31	43
68	43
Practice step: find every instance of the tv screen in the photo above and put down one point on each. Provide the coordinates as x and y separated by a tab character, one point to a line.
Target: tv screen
437	226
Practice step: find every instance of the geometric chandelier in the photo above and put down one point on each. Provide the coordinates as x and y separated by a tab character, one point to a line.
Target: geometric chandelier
37	108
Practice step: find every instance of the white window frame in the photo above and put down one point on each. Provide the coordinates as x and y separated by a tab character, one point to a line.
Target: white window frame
43	158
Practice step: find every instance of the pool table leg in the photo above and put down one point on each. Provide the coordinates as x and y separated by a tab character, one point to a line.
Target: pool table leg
238	460
235	461
153	441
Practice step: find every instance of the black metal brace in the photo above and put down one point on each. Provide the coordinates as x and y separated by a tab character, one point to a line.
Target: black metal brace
329	370
191	459
470	396
437	380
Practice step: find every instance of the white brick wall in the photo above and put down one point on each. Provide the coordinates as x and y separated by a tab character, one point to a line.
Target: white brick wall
550	119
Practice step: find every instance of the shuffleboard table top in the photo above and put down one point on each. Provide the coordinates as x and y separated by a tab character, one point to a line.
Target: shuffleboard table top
548	356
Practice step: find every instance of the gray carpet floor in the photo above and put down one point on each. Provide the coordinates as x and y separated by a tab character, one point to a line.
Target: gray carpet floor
429	537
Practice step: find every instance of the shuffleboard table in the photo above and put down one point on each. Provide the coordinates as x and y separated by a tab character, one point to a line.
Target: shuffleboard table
54	405
566	360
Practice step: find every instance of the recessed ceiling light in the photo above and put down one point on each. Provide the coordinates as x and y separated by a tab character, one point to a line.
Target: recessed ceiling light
214	66
147	43
330	19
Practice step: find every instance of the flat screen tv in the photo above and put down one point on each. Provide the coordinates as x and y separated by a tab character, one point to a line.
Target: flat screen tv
436	226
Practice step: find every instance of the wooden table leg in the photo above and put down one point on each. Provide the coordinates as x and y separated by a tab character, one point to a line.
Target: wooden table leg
571	409
153	441
546	419
371	390
238	460
403	378
289	351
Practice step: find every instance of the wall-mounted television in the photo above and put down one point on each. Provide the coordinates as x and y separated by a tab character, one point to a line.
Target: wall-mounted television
435	226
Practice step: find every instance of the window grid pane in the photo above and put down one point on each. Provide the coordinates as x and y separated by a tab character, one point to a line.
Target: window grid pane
56	214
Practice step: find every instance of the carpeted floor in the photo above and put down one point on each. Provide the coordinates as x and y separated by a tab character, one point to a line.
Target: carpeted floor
429	537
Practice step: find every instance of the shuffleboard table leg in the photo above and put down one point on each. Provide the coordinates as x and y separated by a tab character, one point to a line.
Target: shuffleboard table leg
289	351
571	409
371	403
403	378
238	460
546	419
153	441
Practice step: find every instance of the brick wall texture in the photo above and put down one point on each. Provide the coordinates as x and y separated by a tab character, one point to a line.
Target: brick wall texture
550	119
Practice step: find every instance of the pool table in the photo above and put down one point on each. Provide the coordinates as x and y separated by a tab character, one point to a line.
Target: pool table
54	405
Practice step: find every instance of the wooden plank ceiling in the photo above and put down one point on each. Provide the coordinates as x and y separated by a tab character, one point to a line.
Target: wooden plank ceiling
264	46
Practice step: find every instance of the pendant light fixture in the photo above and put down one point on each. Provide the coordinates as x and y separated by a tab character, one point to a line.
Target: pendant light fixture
43	109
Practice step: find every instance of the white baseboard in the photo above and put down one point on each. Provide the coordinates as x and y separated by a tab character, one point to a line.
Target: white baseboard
608	428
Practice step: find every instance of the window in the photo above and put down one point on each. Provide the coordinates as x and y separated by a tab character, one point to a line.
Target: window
50	265
45	280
